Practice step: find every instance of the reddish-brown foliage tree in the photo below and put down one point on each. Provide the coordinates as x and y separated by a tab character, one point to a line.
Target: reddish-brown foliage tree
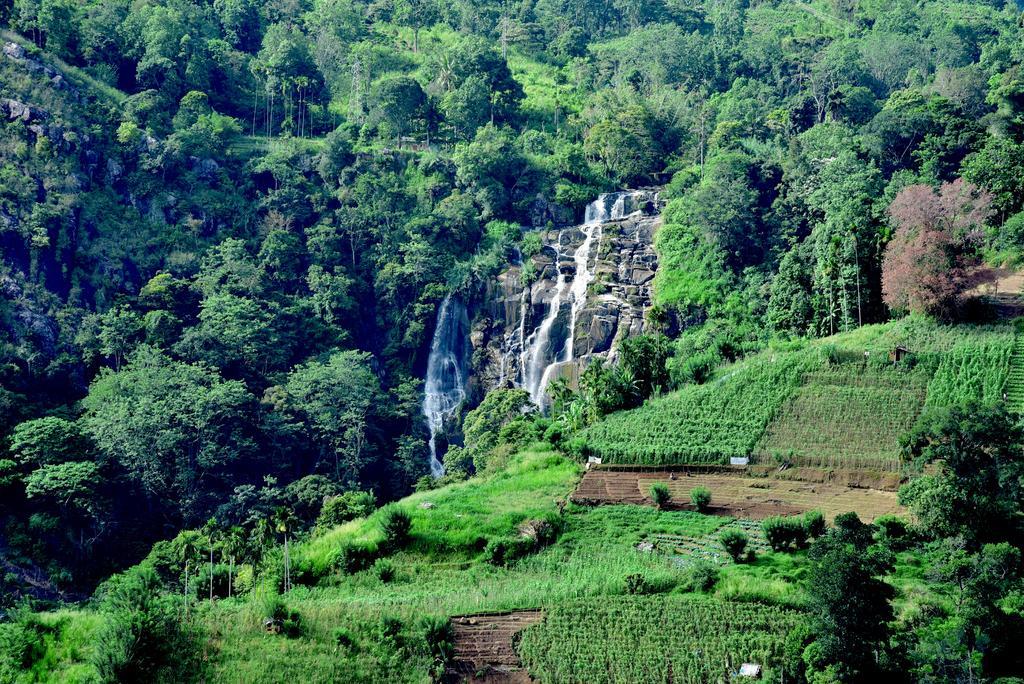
932	258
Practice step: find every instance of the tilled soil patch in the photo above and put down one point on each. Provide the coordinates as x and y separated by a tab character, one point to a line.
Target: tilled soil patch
485	646
741	497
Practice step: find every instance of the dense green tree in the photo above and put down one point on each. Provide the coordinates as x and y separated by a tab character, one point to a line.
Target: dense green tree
336	398
177	430
850	604
975	493
483	425
624	145
49	441
401	104
494	170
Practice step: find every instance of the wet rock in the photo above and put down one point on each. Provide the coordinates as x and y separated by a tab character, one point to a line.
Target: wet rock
14	51
114	171
622	262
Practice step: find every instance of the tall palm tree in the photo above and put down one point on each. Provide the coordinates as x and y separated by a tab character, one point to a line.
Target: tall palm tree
284	519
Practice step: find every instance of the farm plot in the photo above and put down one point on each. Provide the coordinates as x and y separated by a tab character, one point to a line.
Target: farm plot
846	417
735	495
687	549
701	423
974	370
636	639
485	646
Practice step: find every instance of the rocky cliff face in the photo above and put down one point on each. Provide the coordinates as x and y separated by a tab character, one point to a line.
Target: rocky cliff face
588	287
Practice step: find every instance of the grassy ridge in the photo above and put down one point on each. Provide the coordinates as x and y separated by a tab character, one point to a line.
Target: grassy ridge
456	518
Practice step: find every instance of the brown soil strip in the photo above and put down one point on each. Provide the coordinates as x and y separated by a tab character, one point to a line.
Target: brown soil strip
734	495
485	646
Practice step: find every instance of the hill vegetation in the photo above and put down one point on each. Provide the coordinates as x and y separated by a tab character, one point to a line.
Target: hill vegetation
836	403
226	229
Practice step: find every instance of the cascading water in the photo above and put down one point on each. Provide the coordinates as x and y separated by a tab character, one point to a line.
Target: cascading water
538	360
536	349
447	370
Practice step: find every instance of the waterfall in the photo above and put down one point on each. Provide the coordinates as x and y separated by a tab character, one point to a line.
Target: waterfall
447	369
536	350
539	359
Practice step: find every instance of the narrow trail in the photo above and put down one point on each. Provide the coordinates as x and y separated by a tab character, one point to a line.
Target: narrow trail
1005	293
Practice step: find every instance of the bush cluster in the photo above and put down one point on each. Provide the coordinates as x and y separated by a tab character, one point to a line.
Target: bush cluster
735	544
787	533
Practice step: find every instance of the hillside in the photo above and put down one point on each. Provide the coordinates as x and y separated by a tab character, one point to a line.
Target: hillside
641	342
837	403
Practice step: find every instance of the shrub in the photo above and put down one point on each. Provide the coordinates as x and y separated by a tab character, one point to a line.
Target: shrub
496	552
425	484
776	532
140	634
554	434
814	522
354	557
735	544
440	637
279	618
701	498
636	583
702	576
894	532
660	494
344	507
384	569
343	638
21	644
505	551
458	462
395	524
244	579
799	533
783	533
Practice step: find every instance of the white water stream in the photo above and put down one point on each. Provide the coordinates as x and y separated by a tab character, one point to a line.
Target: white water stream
447	371
538	357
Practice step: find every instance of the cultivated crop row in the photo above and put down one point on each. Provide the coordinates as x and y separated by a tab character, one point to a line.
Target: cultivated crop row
701	423
851	422
974	370
653	639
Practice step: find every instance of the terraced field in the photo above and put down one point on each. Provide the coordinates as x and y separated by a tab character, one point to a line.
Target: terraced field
687	549
845	417
628	639
1015	381
485	646
736	496
701	423
839	404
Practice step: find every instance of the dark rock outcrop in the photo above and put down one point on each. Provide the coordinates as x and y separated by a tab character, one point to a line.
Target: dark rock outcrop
621	264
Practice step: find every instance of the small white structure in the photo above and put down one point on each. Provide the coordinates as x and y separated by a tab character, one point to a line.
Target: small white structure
752	670
739	460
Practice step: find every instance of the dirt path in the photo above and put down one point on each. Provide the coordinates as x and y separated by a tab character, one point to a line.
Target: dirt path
485	648
1005	292
737	496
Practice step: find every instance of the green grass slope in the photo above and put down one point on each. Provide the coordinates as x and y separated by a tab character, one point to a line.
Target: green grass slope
837	402
360	627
